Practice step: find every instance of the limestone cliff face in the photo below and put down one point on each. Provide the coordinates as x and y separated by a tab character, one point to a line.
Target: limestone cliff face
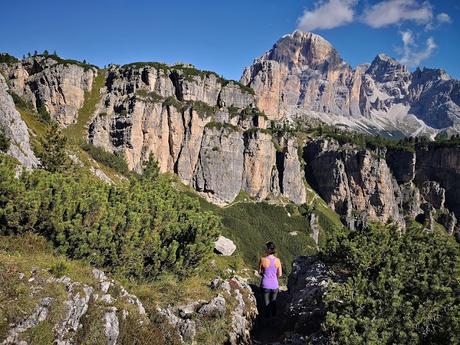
56	86
301	70
15	129
303	78
259	161
367	185
210	132
441	164
355	183
199	126
219	171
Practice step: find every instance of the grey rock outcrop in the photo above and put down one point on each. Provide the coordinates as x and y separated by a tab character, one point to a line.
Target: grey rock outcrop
235	292
39	315
111	326
57	86
307	283
76	306
215	307
15	129
66	312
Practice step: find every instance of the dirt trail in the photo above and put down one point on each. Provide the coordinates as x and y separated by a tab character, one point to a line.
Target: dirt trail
270	330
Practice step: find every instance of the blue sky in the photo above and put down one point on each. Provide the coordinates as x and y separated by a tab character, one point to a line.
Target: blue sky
225	36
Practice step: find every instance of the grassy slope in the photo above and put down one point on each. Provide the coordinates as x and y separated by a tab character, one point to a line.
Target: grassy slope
250	225
35	258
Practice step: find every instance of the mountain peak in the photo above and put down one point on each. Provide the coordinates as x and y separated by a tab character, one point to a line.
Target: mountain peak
299	49
384	68
384	58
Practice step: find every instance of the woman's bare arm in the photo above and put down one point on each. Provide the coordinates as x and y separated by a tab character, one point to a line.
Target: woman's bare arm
261	271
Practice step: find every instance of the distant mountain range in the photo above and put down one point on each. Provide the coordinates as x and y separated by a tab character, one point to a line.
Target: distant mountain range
303	78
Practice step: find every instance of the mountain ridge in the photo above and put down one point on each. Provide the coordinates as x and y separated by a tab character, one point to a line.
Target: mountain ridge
220	138
302	77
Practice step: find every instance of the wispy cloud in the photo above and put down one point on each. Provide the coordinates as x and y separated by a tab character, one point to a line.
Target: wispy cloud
443	18
327	15
396	11
412	56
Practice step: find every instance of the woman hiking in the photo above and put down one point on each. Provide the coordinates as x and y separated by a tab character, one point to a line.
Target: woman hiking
270	269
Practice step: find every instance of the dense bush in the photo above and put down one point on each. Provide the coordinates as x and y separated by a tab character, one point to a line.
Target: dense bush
114	161
137	228
62	61
4	141
364	141
7	58
400	288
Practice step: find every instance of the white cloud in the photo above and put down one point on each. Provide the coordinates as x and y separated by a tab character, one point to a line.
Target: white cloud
411	55
327	15
443	18
390	12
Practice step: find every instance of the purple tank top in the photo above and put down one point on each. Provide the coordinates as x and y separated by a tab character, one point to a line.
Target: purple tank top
270	277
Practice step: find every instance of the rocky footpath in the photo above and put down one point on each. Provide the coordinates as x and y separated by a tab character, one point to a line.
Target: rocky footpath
300	309
51	85
15	128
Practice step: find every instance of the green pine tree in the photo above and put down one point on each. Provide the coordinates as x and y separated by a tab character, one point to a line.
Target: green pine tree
53	155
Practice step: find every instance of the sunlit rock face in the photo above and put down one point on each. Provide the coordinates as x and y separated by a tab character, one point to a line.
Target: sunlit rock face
303	78
51	85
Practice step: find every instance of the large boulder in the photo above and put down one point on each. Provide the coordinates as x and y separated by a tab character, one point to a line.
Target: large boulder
224	246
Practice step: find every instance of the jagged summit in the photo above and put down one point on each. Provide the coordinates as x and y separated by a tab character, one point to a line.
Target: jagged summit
300	49
431	74
385	57
384	68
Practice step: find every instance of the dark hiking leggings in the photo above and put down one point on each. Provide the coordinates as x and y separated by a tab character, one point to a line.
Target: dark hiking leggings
270	301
